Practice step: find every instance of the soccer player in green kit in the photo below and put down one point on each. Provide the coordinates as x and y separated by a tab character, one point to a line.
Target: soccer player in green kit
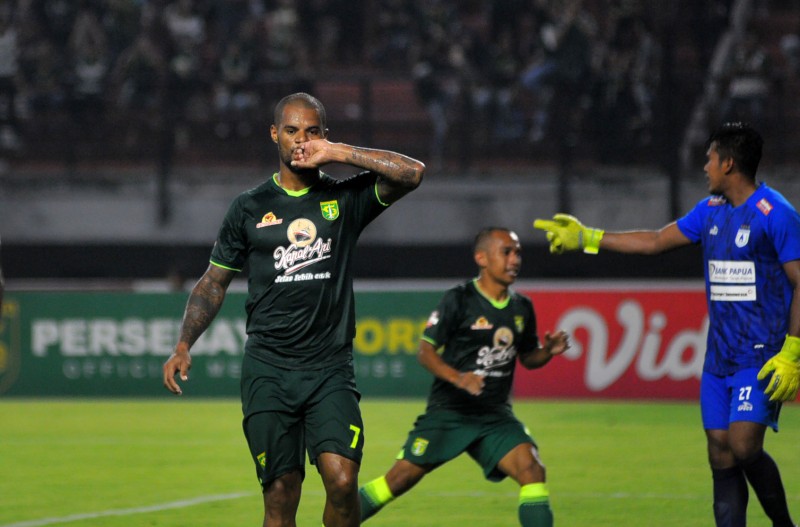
484	328
296	232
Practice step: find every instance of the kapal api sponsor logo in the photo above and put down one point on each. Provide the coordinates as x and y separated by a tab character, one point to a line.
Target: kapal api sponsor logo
305	248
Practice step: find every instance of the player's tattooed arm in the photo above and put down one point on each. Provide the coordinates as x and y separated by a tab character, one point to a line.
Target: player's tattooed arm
398	174
204	303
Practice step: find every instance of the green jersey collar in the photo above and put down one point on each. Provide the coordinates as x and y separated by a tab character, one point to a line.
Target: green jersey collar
292	193
499	304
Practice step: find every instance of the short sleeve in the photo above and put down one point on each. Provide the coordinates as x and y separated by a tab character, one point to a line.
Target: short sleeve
783	226
230	247
691	225
443	321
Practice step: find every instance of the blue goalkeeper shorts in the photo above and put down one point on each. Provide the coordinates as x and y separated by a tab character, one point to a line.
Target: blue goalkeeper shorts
737	397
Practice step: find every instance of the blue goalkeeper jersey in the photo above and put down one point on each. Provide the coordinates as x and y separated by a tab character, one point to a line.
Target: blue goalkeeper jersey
748	293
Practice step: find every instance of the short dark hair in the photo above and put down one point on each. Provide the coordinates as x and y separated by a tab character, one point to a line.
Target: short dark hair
740	142
309	101
482	238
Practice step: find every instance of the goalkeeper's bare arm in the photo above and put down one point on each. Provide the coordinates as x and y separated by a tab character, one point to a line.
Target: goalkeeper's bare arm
567	233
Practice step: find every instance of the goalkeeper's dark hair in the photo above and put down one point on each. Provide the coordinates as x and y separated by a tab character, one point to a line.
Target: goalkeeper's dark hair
303	99
740	142
482	238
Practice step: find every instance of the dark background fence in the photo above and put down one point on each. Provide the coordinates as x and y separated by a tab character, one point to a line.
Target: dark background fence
169	96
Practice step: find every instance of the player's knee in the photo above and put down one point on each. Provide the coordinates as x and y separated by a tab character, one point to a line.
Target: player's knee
746	451
342	487
719	452
284	489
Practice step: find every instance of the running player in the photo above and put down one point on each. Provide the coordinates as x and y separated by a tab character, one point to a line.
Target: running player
484	328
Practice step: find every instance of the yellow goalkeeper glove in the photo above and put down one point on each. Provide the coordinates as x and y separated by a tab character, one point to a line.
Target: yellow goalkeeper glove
785	368
566	233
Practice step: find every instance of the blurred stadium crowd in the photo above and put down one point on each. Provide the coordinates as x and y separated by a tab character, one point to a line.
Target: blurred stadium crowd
446	80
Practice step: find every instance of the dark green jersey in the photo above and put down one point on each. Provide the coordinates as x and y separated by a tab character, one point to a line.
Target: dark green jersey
298	247
483	337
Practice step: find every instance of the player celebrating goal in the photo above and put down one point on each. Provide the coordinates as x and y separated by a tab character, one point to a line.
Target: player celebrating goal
751	249
484	328
297	232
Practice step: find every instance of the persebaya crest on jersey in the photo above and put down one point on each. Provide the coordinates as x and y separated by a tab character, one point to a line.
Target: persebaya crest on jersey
305	248
330	209
419	447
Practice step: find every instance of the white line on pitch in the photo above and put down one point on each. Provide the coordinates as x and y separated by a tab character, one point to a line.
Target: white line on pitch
236	495
128	512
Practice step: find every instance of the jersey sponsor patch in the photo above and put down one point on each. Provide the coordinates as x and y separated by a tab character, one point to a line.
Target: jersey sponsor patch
268	220
301	232
732	293
481	323
493	361
433	319
730	272
716	201
503	338
305	249
764	206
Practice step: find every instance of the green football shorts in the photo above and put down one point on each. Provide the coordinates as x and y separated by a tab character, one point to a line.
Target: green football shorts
441	435
290	412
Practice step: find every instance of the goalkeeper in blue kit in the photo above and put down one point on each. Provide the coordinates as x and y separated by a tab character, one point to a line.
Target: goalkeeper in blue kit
750	235
484	328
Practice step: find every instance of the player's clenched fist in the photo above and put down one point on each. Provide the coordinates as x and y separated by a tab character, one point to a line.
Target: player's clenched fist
567	233
785	369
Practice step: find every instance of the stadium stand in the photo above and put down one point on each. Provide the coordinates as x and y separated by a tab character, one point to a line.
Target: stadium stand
102	97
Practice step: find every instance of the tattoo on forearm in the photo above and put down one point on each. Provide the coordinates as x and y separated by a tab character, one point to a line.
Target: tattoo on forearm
395	168
203	305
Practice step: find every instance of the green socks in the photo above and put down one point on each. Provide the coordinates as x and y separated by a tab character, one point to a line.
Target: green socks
374	495
534	506
534	502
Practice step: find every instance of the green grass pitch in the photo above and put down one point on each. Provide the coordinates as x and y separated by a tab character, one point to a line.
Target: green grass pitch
182	462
